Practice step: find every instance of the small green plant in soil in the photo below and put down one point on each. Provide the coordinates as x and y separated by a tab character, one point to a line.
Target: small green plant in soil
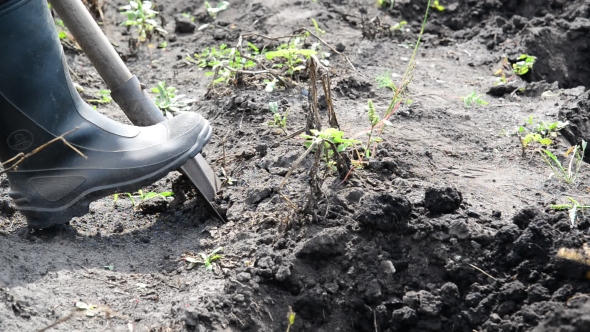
226	61
540	132
330	137
374	119
189	16
573	207
524	64
436	5
569	173
88	309
104	98
141	197
290	319
386	3
170	103
214	10
399	26
278	120
61	29
290	56
206	259
473	99
141	17
384	81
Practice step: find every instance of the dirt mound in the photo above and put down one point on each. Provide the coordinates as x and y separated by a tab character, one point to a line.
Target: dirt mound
444	228
556	32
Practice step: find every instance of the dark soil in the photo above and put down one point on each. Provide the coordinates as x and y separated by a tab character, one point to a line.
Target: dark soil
447	228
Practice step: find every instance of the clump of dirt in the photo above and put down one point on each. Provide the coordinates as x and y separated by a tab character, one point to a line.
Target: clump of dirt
446	227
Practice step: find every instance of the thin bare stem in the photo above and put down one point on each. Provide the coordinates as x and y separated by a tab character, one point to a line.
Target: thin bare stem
18	159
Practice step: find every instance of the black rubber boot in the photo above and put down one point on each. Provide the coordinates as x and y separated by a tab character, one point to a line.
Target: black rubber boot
38	103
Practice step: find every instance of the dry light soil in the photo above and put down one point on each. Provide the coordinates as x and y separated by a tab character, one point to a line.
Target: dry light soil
447	227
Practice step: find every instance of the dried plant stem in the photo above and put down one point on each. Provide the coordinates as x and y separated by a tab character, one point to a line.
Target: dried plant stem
19	158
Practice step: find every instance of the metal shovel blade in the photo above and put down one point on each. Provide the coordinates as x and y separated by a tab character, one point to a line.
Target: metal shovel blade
127	91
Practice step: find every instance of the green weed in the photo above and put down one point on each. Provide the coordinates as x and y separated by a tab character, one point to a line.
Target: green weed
213	11
206	259
573	207
473	99
398	26
290	319
61	29
570	173
290	56
384	81
525	64
279	120
436	5
170	103
374	119
332	139
224	60
141	197
104	97
89	309
141	16
386	3
539	132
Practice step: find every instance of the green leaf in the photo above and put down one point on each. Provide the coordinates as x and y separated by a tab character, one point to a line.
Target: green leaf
545	141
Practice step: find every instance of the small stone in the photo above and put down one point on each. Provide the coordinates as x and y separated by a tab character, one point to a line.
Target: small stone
340	47
387	267
283	273
265	263
460	229
244	277
430	305
184	24
239	298
442	200
256	195
332	287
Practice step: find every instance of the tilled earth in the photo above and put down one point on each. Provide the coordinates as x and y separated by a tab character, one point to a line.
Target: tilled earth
446	228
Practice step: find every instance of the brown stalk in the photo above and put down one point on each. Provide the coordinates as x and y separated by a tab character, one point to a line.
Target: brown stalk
19	158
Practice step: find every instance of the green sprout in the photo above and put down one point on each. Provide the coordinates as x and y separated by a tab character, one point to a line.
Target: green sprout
206	260
436	5
279	120
386	3
384	81
539	132
332	139
570	174
213	11
89	309
224	62
573	207
293	58
104	98
141	16
141	197
374	119
399	26
290	319
61	29
525	64
473	99
170	103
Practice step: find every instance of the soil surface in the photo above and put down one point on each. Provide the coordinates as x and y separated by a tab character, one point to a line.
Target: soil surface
447	227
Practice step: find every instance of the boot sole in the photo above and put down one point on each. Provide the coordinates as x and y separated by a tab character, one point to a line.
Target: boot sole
44	219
